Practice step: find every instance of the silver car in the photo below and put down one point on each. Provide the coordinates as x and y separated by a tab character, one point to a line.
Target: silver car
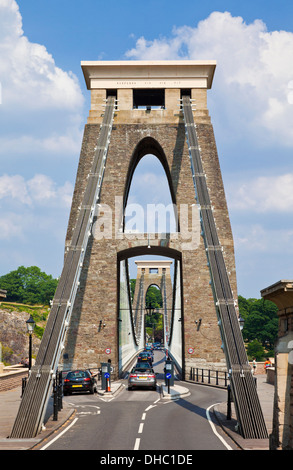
142	376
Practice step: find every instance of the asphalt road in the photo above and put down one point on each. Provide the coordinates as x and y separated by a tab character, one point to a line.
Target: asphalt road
143	420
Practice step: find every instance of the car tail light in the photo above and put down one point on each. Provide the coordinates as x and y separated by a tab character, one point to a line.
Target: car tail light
66	380
87	379
133	375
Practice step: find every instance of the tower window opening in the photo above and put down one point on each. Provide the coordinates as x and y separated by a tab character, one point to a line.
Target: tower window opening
185	92
111	93
153	270
149	99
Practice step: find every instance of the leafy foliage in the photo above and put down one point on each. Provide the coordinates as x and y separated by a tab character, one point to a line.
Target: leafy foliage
255	350
153	296
29	286
261	323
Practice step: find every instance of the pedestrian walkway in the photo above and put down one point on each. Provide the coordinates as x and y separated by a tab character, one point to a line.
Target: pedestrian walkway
266	398
10	400
9	404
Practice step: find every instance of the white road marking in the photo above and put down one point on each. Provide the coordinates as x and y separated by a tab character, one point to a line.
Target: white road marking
214	429
150	407
137	443
140	429
59	435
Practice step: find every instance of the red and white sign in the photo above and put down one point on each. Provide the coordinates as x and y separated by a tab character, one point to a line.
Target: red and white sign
191	350
108	351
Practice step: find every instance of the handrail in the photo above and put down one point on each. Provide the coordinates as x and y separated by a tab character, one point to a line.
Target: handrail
209	377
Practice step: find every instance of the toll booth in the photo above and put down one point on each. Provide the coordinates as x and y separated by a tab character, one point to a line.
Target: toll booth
105	375
169	372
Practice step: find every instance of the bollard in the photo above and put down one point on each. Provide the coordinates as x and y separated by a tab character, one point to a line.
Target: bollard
169	369
23	385
55	400
168	378
108	389
60	392
105	376
229	413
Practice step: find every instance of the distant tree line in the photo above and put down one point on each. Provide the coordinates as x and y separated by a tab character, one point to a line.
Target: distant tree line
29	286
32	286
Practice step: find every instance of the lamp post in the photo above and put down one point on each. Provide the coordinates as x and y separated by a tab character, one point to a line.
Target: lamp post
149	310
241	322
30	325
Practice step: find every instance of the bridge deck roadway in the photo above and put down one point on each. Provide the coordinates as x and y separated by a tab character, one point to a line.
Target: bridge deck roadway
9	403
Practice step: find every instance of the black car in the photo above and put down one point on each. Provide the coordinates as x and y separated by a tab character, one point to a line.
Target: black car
145	356
79	381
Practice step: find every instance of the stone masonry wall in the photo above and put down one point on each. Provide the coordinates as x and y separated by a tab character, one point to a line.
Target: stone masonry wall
97	298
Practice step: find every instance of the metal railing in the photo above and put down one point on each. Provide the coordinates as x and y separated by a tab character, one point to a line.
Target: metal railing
216	378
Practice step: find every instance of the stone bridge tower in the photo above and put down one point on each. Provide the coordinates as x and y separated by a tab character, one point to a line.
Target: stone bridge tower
91	319
148	121
154	273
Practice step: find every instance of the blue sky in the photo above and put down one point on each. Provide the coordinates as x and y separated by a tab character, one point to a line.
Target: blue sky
44	107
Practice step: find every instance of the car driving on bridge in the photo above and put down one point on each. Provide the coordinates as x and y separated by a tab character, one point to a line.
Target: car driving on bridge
79	381
145	356
149	350
142	376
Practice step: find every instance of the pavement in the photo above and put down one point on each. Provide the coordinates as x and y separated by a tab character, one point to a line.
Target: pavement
10	401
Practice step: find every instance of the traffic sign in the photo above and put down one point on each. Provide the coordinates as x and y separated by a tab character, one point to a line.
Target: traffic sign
108	351
168	376
107	375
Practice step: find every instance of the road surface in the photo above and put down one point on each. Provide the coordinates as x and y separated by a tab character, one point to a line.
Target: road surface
142	420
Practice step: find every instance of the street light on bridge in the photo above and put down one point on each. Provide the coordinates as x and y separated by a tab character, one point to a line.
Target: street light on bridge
149	309
241	322
30	325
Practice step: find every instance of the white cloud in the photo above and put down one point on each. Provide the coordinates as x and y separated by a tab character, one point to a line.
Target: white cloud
265	194
14	187
254	68
41	109
39	190
257	238
29	75
11	226
41	104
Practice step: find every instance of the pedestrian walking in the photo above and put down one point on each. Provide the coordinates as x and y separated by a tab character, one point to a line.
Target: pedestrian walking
267	364
254	366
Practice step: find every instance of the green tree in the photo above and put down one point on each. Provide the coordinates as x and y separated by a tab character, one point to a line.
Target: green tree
261	321
255	349
153	297
28	285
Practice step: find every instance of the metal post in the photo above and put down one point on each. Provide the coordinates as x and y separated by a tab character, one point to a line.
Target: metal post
229	413
55	400
60	402
23	385
30	352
